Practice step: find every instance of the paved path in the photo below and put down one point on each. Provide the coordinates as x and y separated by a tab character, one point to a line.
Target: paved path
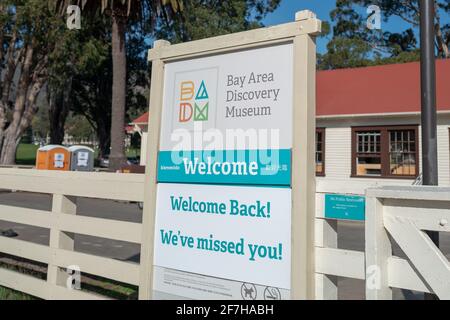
85	207
351	235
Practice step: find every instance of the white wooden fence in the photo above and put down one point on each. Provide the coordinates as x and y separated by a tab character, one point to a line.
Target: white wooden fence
393	213
66	187
403	212
331	262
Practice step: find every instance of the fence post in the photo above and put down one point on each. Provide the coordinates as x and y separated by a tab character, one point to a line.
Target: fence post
378	251
57	276
149	212
303	173
325	237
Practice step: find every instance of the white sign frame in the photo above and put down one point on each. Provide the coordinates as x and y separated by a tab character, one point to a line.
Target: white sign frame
301	34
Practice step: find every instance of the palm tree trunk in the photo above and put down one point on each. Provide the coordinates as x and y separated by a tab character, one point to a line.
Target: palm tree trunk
103	135
117	156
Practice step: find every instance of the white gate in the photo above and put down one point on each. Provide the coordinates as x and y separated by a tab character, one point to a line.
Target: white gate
394	214
403	214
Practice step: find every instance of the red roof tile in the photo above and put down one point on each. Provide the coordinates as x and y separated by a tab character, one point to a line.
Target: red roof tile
143	119
391	88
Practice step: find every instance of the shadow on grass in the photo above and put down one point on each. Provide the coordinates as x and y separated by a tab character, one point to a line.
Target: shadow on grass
89	283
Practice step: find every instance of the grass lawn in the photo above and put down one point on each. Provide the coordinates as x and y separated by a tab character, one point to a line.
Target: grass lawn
26	154
9	294
89	283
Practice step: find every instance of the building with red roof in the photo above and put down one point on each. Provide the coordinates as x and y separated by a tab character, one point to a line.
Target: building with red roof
141	120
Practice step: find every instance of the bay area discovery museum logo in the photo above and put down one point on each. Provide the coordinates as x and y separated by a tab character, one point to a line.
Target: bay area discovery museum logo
195	98
190	108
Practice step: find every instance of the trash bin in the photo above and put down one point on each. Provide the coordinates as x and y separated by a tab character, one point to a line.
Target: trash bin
53	157
81	158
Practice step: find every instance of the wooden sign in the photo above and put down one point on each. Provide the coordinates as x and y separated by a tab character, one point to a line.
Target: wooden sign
230	174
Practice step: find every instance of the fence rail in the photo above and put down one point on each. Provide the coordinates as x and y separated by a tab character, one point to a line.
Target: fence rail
392	215
63	223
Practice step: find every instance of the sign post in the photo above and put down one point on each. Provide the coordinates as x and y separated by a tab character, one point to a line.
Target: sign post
428	101
230	193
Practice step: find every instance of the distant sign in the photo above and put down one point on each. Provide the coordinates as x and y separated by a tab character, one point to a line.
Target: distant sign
345	207
82	159
59	160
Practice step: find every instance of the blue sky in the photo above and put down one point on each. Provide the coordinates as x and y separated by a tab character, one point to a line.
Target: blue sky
286	12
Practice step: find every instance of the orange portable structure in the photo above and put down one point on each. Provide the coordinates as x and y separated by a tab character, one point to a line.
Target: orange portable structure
53	157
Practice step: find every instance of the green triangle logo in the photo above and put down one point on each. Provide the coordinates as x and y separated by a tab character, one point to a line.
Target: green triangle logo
202	93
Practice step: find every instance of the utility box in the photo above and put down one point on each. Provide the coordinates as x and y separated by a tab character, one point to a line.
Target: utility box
53	157
81	158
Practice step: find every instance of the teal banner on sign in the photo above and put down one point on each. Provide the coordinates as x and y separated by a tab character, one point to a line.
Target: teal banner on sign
345	207
250	167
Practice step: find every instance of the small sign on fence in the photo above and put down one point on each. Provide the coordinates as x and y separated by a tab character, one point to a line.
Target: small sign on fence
345	207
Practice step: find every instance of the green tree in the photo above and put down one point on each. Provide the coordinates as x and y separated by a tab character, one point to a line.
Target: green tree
354	45
29	30
91	94
41	124
409	11
64	62
207	18
345	53
79	128
121	13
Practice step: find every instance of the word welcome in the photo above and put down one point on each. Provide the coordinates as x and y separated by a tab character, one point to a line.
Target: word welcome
252	251
219	168
235	208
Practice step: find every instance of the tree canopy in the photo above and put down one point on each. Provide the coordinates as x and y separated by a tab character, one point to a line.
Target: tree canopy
352	44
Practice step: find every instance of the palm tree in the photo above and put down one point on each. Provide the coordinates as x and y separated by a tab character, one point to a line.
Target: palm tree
121	12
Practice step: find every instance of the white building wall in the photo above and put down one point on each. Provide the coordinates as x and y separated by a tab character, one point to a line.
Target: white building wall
419	145
338	150
443	154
